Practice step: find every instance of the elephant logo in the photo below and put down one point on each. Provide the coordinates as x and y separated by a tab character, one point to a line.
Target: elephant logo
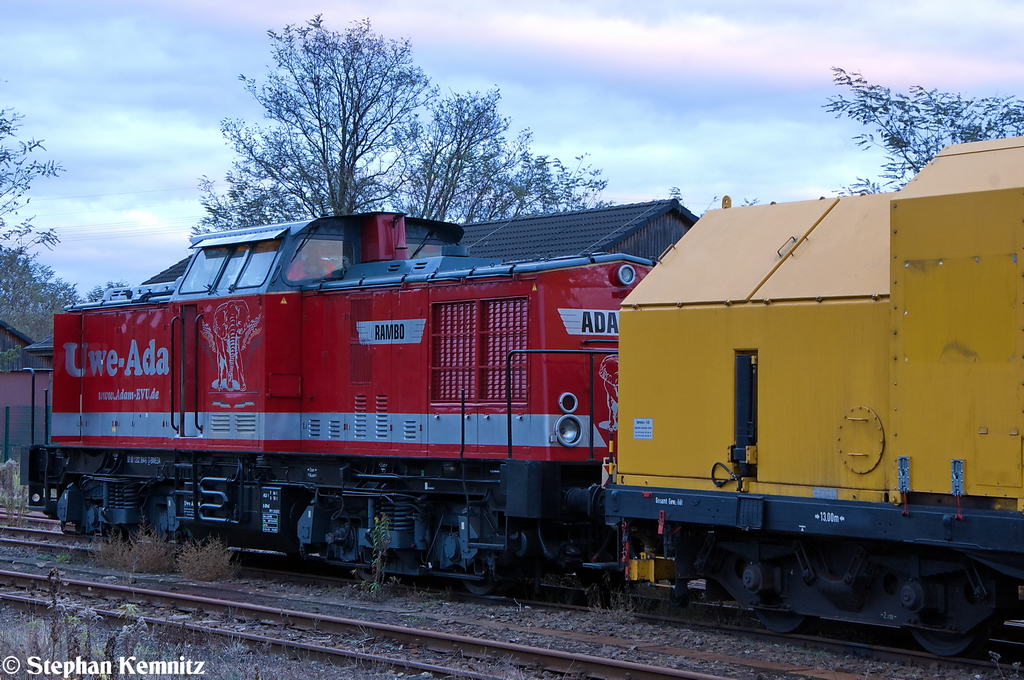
609	374
230	335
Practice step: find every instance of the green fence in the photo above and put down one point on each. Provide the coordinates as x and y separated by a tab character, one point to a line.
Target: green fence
17	429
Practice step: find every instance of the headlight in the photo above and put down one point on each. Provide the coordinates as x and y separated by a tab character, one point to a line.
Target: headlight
568	402
626	275
568	430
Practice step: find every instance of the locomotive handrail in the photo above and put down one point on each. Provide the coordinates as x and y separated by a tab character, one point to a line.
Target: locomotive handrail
195	413
173	426
508	386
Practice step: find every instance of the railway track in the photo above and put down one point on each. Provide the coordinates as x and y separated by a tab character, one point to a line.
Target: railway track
47	540
32	537
1011	646
21	589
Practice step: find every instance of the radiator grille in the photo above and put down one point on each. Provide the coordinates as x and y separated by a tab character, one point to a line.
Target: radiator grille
245	423
220	423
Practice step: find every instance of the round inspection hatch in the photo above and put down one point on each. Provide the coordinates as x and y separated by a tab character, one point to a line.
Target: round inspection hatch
861	439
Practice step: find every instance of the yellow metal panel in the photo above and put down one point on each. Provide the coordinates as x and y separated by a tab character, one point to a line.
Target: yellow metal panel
847	254
816	362
967	168
957	338
728	253
674	380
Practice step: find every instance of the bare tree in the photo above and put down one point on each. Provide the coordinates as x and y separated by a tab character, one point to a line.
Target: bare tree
336	101
459	154
465	169
356	126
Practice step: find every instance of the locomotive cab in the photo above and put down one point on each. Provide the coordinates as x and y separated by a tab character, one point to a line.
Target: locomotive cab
288	256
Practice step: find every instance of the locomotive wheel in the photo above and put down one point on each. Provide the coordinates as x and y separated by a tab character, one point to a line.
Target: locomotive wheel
480	588
781	621
943	643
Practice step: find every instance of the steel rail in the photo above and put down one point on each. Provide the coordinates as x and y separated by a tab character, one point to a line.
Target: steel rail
536	657
263	642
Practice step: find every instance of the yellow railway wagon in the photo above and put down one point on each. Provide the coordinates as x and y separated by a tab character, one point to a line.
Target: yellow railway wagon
821	405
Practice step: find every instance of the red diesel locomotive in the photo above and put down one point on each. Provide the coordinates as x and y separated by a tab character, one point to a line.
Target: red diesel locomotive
303	381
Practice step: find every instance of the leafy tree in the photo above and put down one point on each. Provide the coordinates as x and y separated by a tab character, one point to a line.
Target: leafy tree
31	293
356	126
912	127
18	168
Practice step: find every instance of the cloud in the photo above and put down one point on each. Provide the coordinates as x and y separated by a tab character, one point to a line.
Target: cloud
711	96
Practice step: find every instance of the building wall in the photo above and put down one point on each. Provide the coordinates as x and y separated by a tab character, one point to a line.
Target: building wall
9	341
16	412
653	239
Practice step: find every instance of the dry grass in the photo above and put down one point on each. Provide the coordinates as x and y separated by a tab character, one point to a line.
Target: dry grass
13	496
142	553
206	560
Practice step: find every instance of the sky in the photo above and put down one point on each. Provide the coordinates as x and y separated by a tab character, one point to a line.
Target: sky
709	97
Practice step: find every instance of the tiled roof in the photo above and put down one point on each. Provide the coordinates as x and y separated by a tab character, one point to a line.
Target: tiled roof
170	274
43	347
572	233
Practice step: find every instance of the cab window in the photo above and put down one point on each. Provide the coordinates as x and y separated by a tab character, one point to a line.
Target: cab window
318	258
205	269
256	270
423	242
222	269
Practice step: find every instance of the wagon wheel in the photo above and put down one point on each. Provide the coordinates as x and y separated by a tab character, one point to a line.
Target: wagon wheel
946	643
782	621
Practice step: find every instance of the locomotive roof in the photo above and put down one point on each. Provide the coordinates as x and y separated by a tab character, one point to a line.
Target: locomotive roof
451	265
451	233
